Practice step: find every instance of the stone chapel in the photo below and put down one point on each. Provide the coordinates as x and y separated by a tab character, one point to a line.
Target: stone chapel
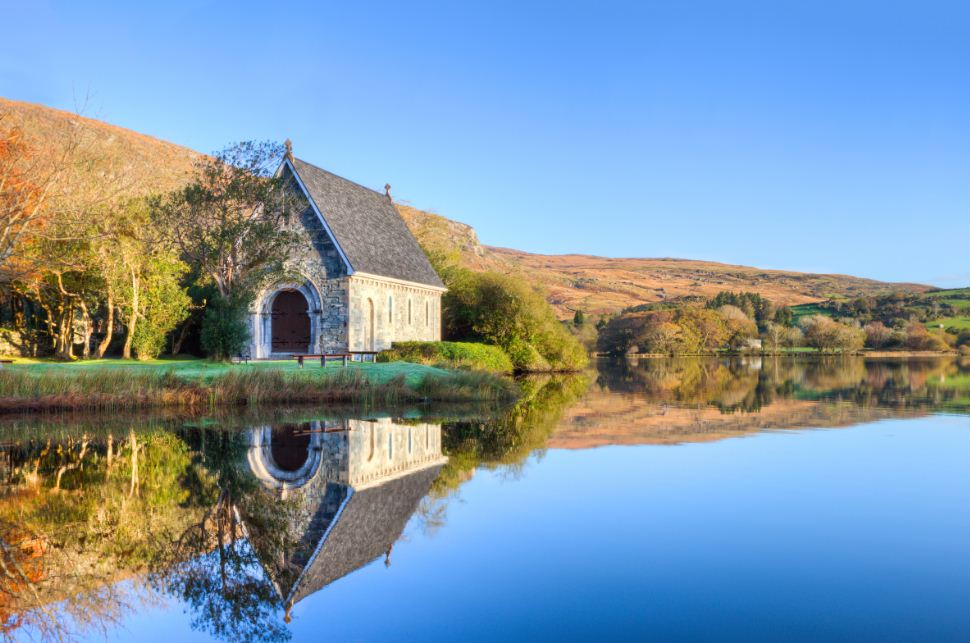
360	284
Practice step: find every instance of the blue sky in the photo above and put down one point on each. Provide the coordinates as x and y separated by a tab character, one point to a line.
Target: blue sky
820	136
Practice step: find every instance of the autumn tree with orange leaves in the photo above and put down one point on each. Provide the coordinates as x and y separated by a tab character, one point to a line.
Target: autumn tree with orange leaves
24	186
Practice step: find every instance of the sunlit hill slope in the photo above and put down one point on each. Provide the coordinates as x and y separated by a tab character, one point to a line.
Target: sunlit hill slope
594	284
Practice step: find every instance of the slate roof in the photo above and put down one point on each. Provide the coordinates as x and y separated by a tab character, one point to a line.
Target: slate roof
367	227
369	523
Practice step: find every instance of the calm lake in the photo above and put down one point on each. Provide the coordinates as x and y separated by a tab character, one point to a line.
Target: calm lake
734	499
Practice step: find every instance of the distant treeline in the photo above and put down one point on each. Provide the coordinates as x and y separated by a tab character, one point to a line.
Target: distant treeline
744	321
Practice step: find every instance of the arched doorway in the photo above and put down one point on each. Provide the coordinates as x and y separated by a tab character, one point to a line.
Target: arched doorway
290	323
289	456
290	447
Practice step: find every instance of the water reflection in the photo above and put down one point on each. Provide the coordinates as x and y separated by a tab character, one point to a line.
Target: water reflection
240	518
686	400
237	525
347	488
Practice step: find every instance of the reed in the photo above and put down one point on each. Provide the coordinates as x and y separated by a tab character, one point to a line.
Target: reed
105	390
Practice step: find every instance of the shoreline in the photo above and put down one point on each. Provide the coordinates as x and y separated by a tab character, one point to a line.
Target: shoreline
30	390
876	354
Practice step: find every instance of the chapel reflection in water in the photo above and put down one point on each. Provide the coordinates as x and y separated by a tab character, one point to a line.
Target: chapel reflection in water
348	488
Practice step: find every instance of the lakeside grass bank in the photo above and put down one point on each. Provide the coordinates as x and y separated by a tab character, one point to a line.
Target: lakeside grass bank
105	385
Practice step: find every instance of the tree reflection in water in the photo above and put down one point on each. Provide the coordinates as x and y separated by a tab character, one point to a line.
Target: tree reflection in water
238	528
750	383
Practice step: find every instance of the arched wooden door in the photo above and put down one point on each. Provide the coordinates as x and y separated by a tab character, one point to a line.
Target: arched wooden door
291	323
290	446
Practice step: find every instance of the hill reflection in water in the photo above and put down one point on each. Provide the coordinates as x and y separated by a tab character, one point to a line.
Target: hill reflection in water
670	401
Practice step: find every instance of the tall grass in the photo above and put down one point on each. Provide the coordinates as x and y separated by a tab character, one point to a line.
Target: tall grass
123	389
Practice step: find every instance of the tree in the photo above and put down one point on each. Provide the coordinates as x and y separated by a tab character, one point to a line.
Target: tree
22	192
793	337
224	330
231	221
502	310
821	332
878	335
740	328
753	305
706	324
579	318
784	316
827	335
232	224
774	336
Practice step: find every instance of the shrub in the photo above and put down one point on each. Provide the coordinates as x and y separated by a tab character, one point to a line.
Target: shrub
467	355
224	329
920	339
878	335
165	303
825	334
505	311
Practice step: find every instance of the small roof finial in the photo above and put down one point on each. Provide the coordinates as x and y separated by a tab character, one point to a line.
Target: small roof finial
387	190
288	144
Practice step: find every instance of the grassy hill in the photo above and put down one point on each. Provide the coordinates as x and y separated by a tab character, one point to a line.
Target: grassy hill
949	308
112	155
595	284
603	284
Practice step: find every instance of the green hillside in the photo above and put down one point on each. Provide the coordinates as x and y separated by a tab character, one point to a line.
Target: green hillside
949	308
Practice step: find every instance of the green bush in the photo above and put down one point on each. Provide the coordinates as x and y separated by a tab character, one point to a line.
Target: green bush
482	357
505	311
224	329
165	303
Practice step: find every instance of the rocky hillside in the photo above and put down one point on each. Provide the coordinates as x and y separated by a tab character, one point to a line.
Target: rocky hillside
594	284
603	284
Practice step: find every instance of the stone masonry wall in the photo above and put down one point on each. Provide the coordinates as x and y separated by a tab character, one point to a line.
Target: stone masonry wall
401	313
318	267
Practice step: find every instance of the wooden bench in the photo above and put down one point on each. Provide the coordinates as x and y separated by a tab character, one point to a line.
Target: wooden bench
343	357
241	358
5	361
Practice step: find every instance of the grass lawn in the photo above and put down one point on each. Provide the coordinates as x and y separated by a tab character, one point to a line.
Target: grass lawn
962	323
202	370
804	310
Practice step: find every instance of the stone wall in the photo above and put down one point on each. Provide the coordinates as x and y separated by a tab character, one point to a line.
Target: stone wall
401	313
381	449
317	270
357	453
